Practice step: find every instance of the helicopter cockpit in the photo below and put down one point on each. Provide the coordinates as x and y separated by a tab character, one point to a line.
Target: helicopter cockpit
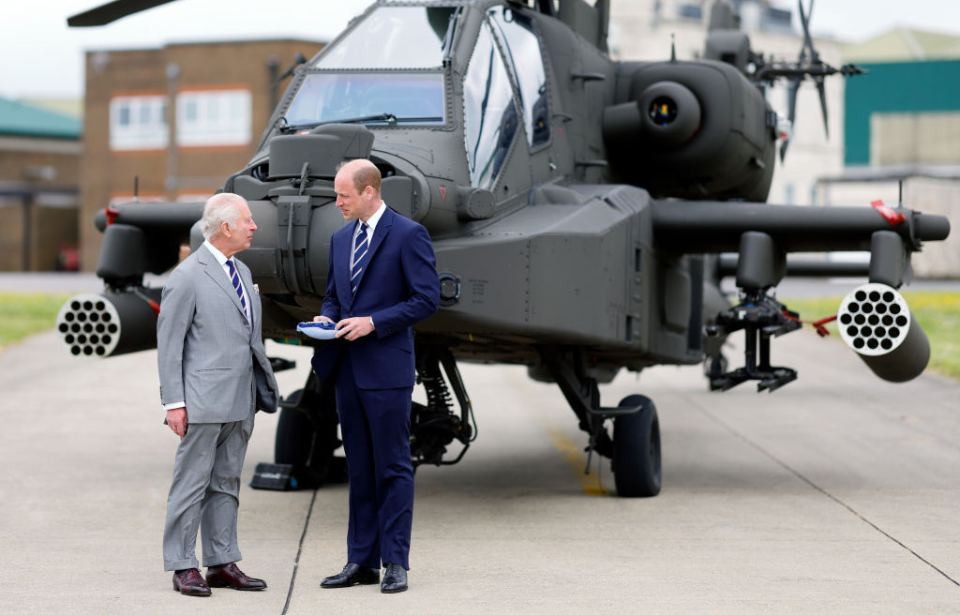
393	68
389	70
491	113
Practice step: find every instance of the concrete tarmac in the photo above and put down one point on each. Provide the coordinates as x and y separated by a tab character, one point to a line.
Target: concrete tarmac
839	493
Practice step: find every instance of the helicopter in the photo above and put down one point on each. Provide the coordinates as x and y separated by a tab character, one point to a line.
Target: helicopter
582	211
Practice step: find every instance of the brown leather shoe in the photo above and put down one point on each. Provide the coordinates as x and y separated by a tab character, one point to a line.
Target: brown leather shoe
232	577
189	583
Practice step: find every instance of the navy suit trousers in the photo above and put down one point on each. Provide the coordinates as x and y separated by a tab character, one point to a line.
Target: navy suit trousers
376	439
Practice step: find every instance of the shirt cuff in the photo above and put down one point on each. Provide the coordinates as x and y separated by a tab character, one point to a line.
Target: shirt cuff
175	405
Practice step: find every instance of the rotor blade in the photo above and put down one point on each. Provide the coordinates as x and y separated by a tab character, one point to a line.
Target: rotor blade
792	90
783	149
823	105
112	11
805	22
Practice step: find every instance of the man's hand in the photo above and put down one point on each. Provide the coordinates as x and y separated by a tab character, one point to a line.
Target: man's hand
177	421
322	319
353	328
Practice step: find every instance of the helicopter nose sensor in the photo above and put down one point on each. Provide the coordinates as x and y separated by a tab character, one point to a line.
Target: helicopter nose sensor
672	113
663	111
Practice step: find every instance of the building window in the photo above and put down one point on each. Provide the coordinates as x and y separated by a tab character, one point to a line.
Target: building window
138	123
688	11
213	118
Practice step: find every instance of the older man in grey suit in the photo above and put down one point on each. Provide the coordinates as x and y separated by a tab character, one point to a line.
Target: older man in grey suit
214	375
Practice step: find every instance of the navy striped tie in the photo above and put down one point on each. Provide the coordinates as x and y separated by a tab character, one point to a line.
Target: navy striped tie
359	256
235	278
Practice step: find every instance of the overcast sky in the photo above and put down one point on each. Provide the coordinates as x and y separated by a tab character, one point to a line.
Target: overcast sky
42	57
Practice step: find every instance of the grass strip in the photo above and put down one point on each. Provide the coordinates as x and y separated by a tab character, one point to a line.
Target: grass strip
23	314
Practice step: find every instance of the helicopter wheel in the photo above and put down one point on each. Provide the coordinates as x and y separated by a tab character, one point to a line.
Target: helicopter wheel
636	450
309	450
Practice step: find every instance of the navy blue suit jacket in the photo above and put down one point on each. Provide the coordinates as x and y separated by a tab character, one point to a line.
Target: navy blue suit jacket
398	288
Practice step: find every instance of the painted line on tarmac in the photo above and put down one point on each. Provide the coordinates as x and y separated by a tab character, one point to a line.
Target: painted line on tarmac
730	429
296	562
592	484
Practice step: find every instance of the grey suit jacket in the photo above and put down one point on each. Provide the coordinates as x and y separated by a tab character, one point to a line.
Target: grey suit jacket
207	355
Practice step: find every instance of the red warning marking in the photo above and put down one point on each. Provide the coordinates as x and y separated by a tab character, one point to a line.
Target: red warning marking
893	217
112	214
443	193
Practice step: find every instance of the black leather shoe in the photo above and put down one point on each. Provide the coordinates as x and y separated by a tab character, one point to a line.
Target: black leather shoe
189	583
394	579
232	577
352	574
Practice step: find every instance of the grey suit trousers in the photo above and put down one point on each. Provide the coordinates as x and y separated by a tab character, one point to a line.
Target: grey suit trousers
204	495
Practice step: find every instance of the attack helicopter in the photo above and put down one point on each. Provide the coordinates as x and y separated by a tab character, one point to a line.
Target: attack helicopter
576	206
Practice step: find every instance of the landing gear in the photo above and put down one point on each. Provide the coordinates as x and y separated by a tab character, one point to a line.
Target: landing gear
636	449
435	425
307	431
307	436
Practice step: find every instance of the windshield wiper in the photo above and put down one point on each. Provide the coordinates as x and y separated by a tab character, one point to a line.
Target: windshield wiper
389	118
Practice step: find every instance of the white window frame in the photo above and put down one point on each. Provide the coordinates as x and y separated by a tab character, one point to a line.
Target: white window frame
136	135
222	118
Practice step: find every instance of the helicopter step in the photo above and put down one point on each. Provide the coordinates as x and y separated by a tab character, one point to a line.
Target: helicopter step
635	447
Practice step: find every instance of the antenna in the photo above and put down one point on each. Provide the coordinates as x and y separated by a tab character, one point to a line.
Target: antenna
673	48
136	188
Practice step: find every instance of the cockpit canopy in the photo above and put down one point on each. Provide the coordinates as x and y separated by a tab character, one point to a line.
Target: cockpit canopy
349	81
391	67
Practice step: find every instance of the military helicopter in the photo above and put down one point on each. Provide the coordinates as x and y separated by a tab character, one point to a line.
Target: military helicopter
576	206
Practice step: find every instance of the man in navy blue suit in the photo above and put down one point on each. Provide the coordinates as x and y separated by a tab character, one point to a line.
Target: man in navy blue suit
382	281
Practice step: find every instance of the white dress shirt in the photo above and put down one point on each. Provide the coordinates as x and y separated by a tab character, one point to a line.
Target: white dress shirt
217	254
371	227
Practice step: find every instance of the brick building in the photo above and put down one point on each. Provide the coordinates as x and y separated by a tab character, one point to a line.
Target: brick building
178	120
39	162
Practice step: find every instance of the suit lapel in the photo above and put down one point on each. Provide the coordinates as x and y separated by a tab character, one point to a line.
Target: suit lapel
341	252
215	270
383	228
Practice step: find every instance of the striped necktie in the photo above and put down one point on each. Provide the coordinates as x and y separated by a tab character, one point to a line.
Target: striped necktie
359	256
235	278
